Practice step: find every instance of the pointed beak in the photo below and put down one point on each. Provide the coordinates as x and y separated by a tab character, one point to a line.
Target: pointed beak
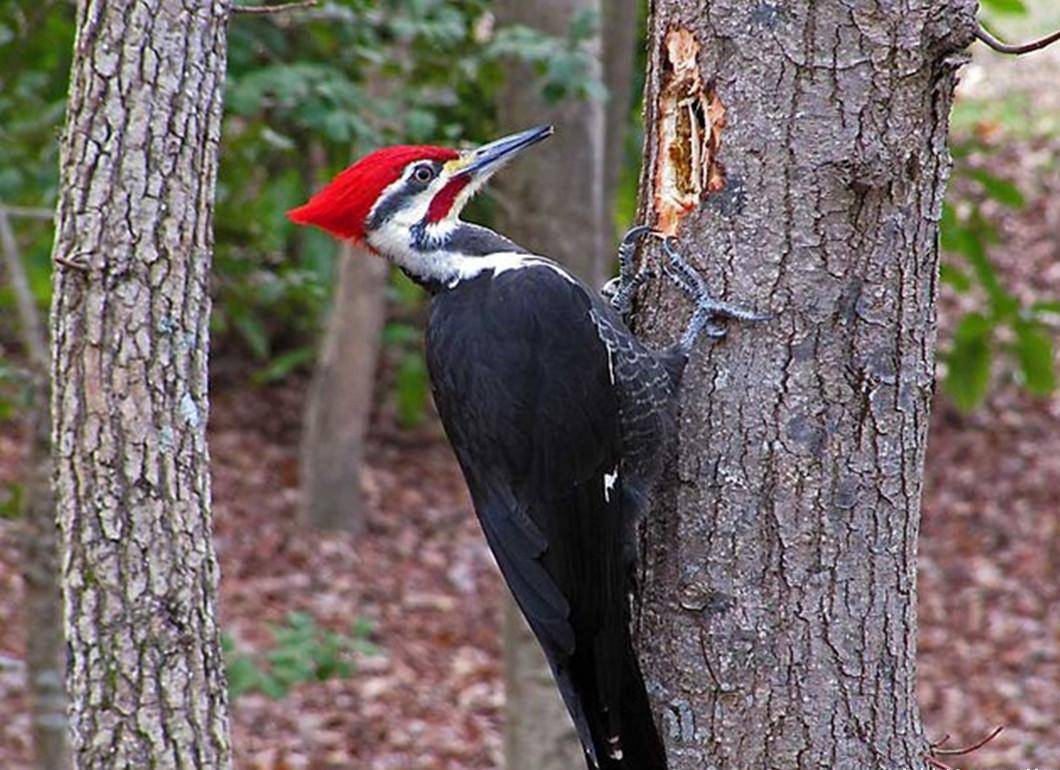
490	157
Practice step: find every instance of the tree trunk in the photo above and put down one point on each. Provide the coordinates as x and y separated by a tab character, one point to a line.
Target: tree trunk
555	201
619	35
130	316
45	647
340	399
553	204
799	150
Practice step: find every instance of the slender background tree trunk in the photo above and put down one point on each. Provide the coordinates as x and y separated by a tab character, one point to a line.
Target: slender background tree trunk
778	623
45	647
619	33
340	399
130	325
556	203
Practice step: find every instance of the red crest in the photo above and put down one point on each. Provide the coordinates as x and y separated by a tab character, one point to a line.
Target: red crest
342	207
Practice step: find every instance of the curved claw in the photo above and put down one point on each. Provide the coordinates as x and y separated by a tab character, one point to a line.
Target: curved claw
636	232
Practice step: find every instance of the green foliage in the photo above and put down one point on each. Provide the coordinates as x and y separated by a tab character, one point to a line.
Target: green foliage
302	652
564	66
306	93
11	497
1006	7
411	386
1006	326
36	42
304	99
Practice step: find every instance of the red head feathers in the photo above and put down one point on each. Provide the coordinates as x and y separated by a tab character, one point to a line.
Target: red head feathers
342	207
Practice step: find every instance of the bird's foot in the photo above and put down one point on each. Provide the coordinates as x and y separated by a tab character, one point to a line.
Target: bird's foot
620	290
708	310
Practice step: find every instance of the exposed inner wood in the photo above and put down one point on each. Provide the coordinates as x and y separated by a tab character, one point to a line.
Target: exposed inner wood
691	118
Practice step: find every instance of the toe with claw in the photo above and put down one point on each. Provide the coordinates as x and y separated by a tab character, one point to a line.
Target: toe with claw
620	290
708	310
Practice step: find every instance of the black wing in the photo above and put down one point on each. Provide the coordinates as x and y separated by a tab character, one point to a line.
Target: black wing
524	388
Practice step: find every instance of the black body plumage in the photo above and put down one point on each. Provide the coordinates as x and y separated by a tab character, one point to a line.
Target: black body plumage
556	411
557	414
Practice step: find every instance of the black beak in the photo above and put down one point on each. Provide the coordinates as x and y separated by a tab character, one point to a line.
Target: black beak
490	157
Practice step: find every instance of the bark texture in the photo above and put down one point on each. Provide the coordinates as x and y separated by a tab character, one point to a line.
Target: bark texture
778	620
45	647
553	203
340	399
130	340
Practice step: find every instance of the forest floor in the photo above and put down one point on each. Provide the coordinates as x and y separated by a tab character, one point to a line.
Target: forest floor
431	695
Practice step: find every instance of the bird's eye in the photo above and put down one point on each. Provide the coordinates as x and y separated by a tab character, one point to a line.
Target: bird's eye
423	174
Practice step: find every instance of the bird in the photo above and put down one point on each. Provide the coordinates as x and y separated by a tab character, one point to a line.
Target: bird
557	413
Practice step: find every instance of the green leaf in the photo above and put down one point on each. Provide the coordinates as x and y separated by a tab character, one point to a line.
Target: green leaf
1046	306
955	277
1034	352
970	245
1001	190
1009	7
252	331
11	496
283	365
412	388
583	25
397	334
968	362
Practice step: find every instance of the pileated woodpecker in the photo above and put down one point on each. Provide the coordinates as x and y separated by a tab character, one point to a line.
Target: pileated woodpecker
556	412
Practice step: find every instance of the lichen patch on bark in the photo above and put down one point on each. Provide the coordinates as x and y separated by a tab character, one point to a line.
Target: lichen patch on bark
690	121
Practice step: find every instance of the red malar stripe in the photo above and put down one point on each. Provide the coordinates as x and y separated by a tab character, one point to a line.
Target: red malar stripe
443	201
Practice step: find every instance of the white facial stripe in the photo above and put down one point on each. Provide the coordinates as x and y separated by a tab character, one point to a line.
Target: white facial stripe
415	208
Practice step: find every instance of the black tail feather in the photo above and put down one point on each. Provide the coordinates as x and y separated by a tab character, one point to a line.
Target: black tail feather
639	743
620	739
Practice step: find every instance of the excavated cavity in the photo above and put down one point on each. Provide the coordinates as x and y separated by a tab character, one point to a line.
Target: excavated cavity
690	121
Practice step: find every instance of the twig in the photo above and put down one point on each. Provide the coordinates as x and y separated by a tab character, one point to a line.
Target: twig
940	742
1015	48
27	212
71	263
280	8
937	764
935	750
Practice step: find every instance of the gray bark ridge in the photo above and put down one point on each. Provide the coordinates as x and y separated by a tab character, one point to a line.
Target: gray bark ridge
129	321
778	623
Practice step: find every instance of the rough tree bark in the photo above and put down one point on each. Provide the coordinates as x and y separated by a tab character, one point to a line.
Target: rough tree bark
45	647
778	620
130	317
554	204
340	399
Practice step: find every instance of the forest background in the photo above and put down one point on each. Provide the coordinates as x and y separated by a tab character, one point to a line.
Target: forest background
380	646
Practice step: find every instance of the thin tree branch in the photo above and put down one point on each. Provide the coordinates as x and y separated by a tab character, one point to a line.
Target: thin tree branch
27	212
935	750
29	317
280	8
1015	48
937	764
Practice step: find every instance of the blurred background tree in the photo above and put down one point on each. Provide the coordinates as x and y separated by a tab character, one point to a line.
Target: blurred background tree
308	91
